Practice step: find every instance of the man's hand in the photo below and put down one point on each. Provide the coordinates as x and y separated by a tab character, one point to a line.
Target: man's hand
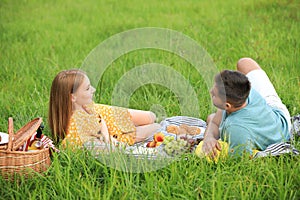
211	146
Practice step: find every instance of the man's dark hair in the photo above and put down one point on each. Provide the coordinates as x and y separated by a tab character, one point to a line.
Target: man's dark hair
234	86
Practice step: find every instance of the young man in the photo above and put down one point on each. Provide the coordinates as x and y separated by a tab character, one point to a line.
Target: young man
250	114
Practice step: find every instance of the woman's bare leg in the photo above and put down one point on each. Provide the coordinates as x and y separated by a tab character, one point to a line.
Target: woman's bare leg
141	117
143	132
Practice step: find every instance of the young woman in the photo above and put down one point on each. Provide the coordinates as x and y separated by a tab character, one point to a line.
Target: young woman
76	120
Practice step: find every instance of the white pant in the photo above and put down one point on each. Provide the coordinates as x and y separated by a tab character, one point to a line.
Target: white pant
262	84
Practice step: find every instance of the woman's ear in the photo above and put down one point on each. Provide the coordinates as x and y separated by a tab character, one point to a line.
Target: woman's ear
73	98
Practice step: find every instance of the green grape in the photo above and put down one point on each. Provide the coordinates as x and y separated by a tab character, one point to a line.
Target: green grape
176	147
168	139
183	143
170	152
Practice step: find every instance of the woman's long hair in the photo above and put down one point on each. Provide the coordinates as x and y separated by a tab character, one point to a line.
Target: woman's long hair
60	105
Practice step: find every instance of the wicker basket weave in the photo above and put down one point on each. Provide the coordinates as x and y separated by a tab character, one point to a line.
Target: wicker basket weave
22	162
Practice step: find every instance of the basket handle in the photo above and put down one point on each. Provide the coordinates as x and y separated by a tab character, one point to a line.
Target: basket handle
10	133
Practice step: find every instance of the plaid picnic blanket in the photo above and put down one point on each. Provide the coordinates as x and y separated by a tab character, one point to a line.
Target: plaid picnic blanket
277	149
179	120
140	150
295	125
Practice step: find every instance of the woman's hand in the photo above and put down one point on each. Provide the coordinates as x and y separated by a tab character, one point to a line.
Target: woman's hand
104	132
113	141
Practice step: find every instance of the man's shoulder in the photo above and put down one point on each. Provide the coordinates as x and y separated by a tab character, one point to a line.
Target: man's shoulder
254	96
256	104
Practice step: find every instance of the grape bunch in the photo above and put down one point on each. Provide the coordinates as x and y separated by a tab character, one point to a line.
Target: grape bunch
179	146
190	143
168	139
176	147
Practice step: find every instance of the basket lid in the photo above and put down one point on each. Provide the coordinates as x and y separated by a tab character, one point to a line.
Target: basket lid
24	133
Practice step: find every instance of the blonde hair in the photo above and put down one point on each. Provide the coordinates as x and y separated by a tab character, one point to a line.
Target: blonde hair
60	105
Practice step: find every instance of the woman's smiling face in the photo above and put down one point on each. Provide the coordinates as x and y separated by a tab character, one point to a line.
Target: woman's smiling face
83	95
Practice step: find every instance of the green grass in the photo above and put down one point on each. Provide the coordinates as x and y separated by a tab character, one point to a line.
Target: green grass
41	38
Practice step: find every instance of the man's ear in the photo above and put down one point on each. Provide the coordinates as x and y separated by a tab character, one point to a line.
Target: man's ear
228	106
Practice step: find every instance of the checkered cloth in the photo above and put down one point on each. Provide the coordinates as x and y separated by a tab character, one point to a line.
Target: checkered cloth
296	125
137	149
178	120
277	149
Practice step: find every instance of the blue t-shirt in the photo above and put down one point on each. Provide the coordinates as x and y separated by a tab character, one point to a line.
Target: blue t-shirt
255	126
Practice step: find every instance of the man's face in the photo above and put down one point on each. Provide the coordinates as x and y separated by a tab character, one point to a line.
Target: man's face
216	99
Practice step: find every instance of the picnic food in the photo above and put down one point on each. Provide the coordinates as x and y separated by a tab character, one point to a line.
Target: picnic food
172	129
193	130
158	139
168	139
179	146
183	129
158	143
220	154
176	147
151	144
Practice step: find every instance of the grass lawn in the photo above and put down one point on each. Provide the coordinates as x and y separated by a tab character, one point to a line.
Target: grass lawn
41	38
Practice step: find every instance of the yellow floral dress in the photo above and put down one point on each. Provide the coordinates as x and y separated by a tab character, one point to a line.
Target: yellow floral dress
85	126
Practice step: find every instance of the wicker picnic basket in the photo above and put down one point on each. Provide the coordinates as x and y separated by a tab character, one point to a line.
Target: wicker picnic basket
22	162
